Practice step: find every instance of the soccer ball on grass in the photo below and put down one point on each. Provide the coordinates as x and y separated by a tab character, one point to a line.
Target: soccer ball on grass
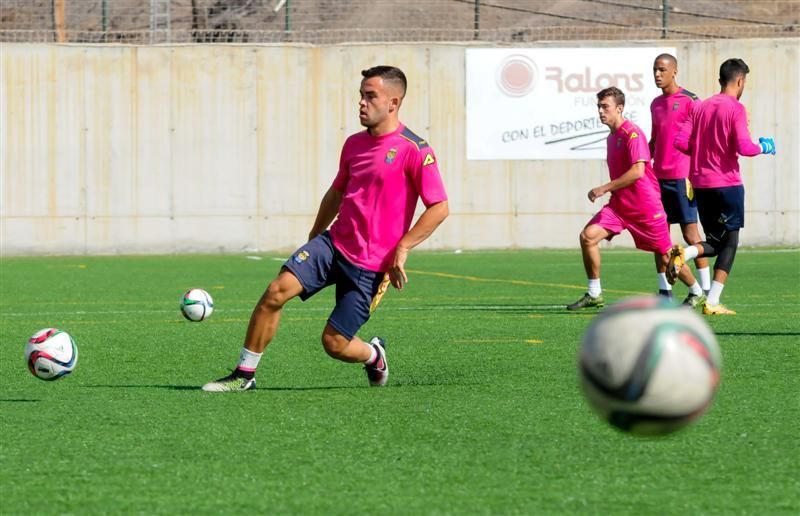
648	366
196	305
51	354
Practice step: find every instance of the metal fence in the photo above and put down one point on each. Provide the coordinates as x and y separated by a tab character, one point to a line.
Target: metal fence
339	21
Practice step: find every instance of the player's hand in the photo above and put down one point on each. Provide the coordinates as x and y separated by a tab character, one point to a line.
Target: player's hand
767	145
397	274
596	192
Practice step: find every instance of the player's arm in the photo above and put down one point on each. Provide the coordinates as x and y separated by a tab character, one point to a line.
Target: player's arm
419	232
328	209
653	131
683	139
628	178
744	142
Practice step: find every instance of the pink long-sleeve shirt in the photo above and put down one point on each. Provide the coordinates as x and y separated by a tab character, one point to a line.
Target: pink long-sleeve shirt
714	135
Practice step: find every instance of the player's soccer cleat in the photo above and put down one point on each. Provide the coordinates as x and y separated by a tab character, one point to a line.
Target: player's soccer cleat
719	309
587	301
378	371
231	383
694	300
676	261
665	293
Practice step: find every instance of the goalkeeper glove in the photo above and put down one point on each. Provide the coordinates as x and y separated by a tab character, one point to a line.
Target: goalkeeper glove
767	145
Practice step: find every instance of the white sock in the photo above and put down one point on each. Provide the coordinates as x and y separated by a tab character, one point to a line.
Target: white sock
663	284
373	354
690	253
705	278
715	292
695	289
594	287
248	361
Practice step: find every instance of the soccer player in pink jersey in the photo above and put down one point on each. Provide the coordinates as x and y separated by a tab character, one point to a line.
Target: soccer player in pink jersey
671	167
383	171
714	136
635	202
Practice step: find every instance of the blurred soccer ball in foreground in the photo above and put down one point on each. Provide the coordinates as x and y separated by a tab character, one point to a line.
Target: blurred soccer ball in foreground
51	354
648	366
196	305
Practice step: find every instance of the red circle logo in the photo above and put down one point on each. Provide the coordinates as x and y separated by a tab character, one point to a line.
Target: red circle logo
516	75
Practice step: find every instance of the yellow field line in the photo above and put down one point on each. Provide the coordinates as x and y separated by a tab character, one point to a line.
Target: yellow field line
516	282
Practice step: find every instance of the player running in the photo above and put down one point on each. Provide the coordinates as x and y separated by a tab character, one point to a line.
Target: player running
382	173
714	136
671	166
635	202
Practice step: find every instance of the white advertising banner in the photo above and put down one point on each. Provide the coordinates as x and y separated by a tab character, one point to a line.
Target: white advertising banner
541	103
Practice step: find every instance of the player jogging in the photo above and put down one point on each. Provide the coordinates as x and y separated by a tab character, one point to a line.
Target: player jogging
714	136
635	202
671	167
382	173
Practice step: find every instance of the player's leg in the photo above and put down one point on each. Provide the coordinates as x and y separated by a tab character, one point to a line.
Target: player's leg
303	275
664	287
722	215
601	227
691	235
358	292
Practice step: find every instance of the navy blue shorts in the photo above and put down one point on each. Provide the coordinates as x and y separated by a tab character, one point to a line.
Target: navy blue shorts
678	200
318	264
721	210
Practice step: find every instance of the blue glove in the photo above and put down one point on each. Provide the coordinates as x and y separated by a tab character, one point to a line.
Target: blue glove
767	145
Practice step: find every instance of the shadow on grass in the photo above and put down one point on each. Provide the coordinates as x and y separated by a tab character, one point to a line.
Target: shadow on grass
19	400
758	333
299	388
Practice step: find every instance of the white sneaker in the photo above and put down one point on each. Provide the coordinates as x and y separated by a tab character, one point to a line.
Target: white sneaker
378	371
231	383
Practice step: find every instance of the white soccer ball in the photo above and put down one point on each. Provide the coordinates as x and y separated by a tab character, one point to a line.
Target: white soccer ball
197	305
51	354
648	366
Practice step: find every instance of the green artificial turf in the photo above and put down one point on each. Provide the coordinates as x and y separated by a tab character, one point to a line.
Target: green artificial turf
482	413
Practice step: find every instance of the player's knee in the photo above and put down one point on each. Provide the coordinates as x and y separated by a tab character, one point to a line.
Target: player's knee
727	252
585	239
334	344
274	297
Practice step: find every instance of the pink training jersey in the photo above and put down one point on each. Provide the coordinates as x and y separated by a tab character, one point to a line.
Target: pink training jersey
714	135
642	199
381	178
668	112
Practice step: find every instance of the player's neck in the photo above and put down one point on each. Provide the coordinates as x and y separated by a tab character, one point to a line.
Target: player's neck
672	89
616	124
388	126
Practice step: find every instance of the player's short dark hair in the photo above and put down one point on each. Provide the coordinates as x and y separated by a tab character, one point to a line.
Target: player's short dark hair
666	57
731	69
389	74
612	91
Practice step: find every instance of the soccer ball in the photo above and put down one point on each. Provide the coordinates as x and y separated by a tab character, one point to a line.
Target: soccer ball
648	366
51	354
196	305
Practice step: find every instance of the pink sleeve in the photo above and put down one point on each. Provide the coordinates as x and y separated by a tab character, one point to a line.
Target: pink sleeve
427	180
744	144
683	137
638	149
343	175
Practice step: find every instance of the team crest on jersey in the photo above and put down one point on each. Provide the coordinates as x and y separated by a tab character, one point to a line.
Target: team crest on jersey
619	142
429	160
676	106
300	257
390	155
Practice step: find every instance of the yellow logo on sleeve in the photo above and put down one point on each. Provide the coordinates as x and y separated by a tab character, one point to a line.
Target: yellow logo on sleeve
633	135
429	160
